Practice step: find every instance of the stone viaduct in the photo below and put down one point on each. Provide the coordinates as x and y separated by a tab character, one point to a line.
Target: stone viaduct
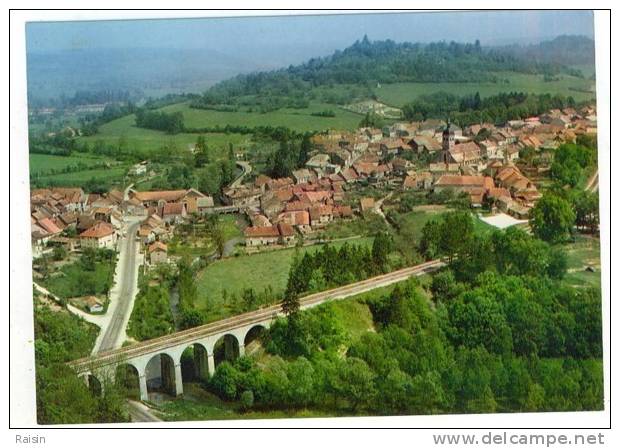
156	364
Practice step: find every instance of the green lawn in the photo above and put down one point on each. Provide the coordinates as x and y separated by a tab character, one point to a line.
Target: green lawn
399	94
73	281
359	226
40	164
297	119
256	271
146	140
585	251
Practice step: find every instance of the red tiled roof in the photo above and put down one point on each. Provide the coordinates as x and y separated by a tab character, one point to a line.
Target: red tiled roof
464	181
99	230
261	232
173	208
166	195
286	229
158	245
49	226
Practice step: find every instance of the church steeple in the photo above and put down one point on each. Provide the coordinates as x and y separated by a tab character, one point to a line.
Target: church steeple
447	141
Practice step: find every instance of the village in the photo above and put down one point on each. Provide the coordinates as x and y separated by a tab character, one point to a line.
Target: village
480	161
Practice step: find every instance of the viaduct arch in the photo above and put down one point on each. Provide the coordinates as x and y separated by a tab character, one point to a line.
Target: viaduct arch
159	361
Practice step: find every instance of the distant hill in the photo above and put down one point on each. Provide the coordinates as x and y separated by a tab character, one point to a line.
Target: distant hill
564	50
137	71
367	63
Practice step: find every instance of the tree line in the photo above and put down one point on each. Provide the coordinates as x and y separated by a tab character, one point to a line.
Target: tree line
471	109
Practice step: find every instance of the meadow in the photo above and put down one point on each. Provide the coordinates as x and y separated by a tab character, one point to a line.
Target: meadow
300	120
256	271
584	252
147	140
40	164
115	174
399	94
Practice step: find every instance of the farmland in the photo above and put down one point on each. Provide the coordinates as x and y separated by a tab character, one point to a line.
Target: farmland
399	94
300	120
146	140
79	178
256	271
41	164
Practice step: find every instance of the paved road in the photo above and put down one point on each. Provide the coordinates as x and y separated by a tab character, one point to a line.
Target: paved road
260	315
127	285
247	169
140	413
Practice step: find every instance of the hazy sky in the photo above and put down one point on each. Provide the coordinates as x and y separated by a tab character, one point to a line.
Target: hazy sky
298	38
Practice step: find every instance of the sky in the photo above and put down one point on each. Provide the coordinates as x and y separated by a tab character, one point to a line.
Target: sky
294	39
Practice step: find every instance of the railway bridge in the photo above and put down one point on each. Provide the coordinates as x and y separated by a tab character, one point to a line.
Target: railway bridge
163	363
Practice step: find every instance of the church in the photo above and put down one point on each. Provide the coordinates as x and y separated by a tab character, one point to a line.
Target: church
468	153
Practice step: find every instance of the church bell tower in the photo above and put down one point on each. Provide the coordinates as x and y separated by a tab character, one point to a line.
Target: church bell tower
447	142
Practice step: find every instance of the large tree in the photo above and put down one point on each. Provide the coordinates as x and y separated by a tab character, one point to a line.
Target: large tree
552	218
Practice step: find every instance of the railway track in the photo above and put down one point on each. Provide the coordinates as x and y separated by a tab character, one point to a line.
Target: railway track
241	320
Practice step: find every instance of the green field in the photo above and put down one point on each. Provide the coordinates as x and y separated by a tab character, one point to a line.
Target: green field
79	178
40	164
297	119
399	94
145	140
585	251
256	271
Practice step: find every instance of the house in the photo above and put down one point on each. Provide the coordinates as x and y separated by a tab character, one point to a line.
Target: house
287	234
242	196
349	175
424	144
158	253
459	182
174	212
101	235
475	186
367	204
343	211
204	205
374	135
134	207
463	154
91	303
391	146
418	181
299	219
158	198
282	233
146	234
321	215
400	166
303	176
511	153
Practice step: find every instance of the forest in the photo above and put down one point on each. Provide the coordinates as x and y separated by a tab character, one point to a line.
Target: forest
62	397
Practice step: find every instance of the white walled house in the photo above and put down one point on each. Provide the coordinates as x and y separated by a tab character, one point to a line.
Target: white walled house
100	236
